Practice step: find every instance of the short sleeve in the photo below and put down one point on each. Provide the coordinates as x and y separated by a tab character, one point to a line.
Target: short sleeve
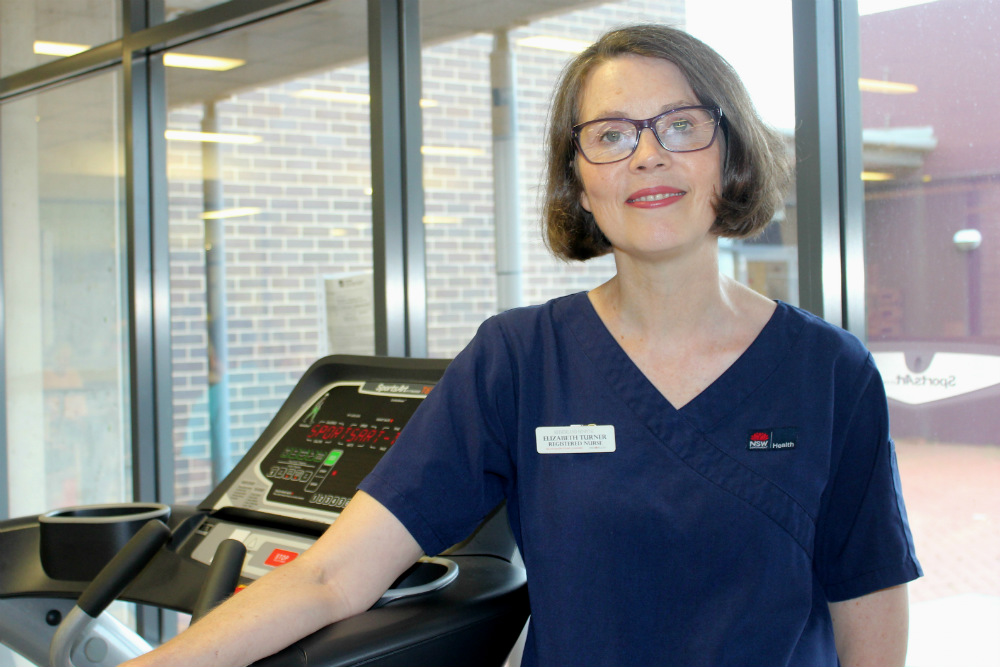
863	541
451	464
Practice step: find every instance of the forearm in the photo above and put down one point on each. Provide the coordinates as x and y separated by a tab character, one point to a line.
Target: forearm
343	574
267	616
872	631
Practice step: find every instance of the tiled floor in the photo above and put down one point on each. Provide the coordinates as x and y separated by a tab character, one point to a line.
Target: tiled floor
952	497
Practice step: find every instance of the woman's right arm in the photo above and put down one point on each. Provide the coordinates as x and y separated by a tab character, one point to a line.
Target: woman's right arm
342	574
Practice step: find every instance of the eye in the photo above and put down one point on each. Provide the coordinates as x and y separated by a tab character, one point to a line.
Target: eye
607	133
611	136
680	125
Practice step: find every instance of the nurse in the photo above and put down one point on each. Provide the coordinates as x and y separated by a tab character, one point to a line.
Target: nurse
695	474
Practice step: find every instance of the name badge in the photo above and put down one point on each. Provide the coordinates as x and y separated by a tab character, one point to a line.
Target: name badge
591	439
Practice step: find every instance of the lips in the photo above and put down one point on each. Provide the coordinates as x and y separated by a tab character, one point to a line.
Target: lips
654	197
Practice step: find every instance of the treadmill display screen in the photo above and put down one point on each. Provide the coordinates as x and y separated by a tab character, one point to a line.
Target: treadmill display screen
313	467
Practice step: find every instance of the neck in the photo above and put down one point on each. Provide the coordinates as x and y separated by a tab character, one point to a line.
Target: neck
667	299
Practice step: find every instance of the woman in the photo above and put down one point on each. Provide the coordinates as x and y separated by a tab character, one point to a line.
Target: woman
695	474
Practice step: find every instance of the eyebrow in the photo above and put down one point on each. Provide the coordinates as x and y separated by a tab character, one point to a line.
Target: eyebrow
615	113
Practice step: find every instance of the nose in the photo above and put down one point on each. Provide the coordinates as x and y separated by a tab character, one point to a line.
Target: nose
649	153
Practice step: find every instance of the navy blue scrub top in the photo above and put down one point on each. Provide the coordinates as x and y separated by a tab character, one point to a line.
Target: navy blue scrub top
711	535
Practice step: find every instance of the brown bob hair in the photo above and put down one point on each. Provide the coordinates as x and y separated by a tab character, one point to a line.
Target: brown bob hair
755	170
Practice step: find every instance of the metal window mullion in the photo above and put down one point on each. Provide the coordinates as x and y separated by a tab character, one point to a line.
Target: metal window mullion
147	260
818	172
413	181
852	191
397	198
4	444
159	280
140	265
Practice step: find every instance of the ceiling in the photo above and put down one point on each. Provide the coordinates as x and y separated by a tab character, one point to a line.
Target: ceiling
81	119
333	34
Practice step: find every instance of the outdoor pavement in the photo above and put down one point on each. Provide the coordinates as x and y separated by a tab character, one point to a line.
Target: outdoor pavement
952	494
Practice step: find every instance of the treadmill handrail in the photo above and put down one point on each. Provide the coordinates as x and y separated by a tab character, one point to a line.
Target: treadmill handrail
449	575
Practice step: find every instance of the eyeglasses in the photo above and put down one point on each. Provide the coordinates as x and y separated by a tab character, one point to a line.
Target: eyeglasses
680	130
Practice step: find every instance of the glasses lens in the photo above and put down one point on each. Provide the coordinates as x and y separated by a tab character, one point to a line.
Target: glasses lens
607	140
686	129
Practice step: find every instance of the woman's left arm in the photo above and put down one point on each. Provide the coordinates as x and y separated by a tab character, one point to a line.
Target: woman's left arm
872	630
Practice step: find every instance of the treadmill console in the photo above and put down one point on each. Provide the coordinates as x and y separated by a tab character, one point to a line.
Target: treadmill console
311	468
340	420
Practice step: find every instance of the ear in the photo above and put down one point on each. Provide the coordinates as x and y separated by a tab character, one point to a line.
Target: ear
585	201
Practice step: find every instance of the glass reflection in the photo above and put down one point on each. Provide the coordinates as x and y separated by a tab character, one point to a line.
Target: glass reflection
35	32
66	338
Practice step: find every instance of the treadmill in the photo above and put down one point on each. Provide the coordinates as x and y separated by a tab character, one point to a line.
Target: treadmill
466	606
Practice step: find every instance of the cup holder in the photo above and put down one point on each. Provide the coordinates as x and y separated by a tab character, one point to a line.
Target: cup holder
76	542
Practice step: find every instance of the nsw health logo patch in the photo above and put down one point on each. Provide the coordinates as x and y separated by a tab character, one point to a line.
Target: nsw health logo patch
762	439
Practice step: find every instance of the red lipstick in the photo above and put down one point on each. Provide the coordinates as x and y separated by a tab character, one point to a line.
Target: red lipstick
654	197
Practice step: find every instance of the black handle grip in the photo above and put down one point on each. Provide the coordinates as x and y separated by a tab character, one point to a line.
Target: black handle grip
223	576
122	569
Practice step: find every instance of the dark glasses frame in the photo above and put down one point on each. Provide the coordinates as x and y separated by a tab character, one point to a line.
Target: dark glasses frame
650	123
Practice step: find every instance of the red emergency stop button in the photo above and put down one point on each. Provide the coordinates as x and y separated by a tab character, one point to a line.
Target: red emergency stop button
280	557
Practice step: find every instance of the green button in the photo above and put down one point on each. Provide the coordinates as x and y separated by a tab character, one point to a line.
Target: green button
333	457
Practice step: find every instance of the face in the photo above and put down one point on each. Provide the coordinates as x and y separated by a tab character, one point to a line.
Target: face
654	202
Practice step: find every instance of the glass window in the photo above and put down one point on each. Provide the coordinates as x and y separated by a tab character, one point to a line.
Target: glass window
269	171
64	274
482	186
174	9
458	189
932	189
768	263
34	32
